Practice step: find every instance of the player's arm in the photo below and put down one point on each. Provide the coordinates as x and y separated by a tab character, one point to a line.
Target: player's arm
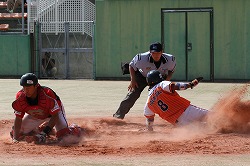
150	123
17	128
149	114
52	122
41	137
168	77
183	86
133	84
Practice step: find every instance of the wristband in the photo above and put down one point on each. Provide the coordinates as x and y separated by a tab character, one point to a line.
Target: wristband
181	86
47	130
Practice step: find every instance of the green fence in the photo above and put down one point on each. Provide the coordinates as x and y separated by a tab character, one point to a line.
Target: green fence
15	56
127	27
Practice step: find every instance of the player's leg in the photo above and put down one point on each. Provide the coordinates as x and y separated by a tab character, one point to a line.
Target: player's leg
62	128
29	124
192	114
130	99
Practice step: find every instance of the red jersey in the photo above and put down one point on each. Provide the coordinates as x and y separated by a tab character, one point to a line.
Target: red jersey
166	104
46	104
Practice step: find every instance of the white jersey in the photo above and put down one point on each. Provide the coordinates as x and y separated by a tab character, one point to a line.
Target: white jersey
144	63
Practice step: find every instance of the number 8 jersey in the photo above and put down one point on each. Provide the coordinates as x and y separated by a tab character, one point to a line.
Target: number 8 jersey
167	104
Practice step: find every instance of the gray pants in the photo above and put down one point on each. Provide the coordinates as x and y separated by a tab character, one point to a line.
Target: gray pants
130	99
30	123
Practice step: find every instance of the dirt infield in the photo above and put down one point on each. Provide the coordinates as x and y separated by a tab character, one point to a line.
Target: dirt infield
224	140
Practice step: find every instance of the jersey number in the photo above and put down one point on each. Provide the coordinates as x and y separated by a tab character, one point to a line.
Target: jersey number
162	105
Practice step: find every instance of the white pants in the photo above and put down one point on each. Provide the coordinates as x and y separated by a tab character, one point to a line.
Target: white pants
192	114
30	123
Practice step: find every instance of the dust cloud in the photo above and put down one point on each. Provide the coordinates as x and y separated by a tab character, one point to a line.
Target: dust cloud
231	113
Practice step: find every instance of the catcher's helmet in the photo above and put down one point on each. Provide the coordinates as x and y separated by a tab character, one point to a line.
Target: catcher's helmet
154	77
28	79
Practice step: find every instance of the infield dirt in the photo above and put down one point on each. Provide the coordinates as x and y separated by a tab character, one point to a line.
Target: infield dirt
225	140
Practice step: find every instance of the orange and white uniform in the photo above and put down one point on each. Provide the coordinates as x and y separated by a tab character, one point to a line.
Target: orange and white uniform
170	106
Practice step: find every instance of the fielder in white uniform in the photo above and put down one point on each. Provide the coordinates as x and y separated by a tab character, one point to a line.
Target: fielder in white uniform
140	65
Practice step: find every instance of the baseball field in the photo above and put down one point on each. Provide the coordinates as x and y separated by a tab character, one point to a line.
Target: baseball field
223	141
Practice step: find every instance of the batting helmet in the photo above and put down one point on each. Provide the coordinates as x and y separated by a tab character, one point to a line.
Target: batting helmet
154	77
28	79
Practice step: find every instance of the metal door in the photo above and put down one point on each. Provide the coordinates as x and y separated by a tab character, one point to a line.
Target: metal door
188	35
71	52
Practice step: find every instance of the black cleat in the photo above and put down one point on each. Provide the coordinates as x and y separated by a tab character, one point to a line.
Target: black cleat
118	116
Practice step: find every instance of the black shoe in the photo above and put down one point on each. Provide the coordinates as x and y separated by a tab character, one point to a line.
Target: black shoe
12	132
118	116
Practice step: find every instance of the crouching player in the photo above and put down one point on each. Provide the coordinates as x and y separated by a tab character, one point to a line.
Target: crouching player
36	105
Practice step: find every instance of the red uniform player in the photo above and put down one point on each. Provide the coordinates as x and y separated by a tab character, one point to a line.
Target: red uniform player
35	105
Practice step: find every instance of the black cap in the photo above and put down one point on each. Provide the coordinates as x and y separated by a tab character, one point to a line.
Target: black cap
154	77
28	79
155	47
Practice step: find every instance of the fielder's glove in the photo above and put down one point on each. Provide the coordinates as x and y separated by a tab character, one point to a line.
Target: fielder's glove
41	137
195	82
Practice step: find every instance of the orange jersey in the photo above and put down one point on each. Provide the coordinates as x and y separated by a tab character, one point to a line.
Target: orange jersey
167	105
48	103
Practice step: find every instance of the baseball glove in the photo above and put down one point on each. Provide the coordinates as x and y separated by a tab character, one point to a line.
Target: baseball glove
125	68
195	82
199	79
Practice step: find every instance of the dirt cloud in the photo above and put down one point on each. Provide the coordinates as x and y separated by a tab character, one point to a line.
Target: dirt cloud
232	112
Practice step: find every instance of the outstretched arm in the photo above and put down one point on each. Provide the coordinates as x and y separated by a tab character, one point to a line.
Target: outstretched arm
149	118
184	86
150	123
